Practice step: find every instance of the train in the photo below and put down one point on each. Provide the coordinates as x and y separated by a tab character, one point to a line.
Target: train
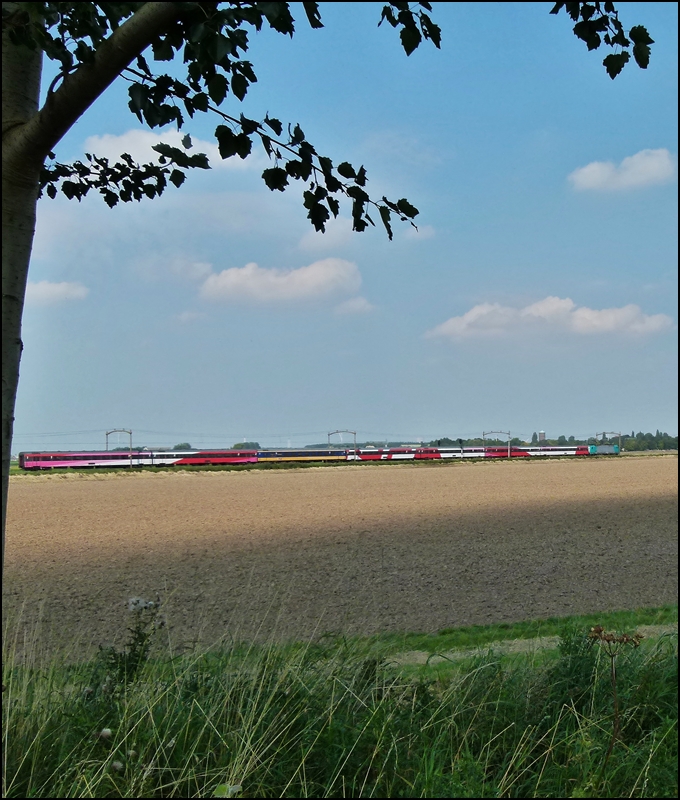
195	458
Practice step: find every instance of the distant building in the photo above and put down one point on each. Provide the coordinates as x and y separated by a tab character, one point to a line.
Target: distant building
541	436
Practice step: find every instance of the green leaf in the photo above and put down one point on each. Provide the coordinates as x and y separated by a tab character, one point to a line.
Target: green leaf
186	142
274	124
139	96
574	10
232	144
218	86
306	151
248	126
278	16
361	179
587	11
239	85
639	35
319	215
298	136
587	32
200	101
152	115
245	145
620	38
246	69
358	194
326	165
177	177
143	66
70	189
333	205
198	160
359	224
110	198
385	217
266	143
219	47
197	32
410	39
299	169
641	53
406	208
388	14
226	141
275	178
346	170
312	12
431	30
614	63
162	50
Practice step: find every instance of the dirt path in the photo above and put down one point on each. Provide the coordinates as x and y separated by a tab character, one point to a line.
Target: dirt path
508	646
359	549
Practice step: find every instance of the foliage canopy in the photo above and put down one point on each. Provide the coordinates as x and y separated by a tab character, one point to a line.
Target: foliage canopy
212	40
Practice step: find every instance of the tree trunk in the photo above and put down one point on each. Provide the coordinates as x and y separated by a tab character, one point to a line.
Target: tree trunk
28	135
21	71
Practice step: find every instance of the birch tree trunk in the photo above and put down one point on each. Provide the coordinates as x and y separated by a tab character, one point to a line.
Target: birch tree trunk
21	71
28	135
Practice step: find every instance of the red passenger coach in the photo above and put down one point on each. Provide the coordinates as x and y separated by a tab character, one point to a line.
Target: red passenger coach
217	457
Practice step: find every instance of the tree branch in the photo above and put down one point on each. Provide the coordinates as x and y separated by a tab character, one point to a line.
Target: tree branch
80	89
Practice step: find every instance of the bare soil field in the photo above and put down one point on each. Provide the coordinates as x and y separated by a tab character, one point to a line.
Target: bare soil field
358	549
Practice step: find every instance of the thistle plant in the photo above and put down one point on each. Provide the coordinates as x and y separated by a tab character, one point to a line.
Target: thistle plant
124	665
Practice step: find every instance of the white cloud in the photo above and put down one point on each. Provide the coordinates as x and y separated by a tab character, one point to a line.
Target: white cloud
646	168
329	277
338	233
45	293
138	144
355	305
611	320
550	308
551	313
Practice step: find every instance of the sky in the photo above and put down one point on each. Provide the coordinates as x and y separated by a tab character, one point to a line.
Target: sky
539	291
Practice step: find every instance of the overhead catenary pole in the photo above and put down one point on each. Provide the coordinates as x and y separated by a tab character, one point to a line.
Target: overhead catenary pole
120	430
504	433
609	433
354	433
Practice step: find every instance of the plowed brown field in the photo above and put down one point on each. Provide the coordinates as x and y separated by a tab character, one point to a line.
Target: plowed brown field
357	548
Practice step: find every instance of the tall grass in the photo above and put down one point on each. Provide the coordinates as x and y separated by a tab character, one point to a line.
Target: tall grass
323	719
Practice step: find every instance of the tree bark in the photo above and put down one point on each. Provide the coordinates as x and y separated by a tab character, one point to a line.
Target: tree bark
21	71
28	135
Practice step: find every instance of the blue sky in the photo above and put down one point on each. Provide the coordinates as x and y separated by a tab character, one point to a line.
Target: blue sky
539	293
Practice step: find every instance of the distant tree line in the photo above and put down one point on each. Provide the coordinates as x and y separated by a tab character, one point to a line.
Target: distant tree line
634	441
650	441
